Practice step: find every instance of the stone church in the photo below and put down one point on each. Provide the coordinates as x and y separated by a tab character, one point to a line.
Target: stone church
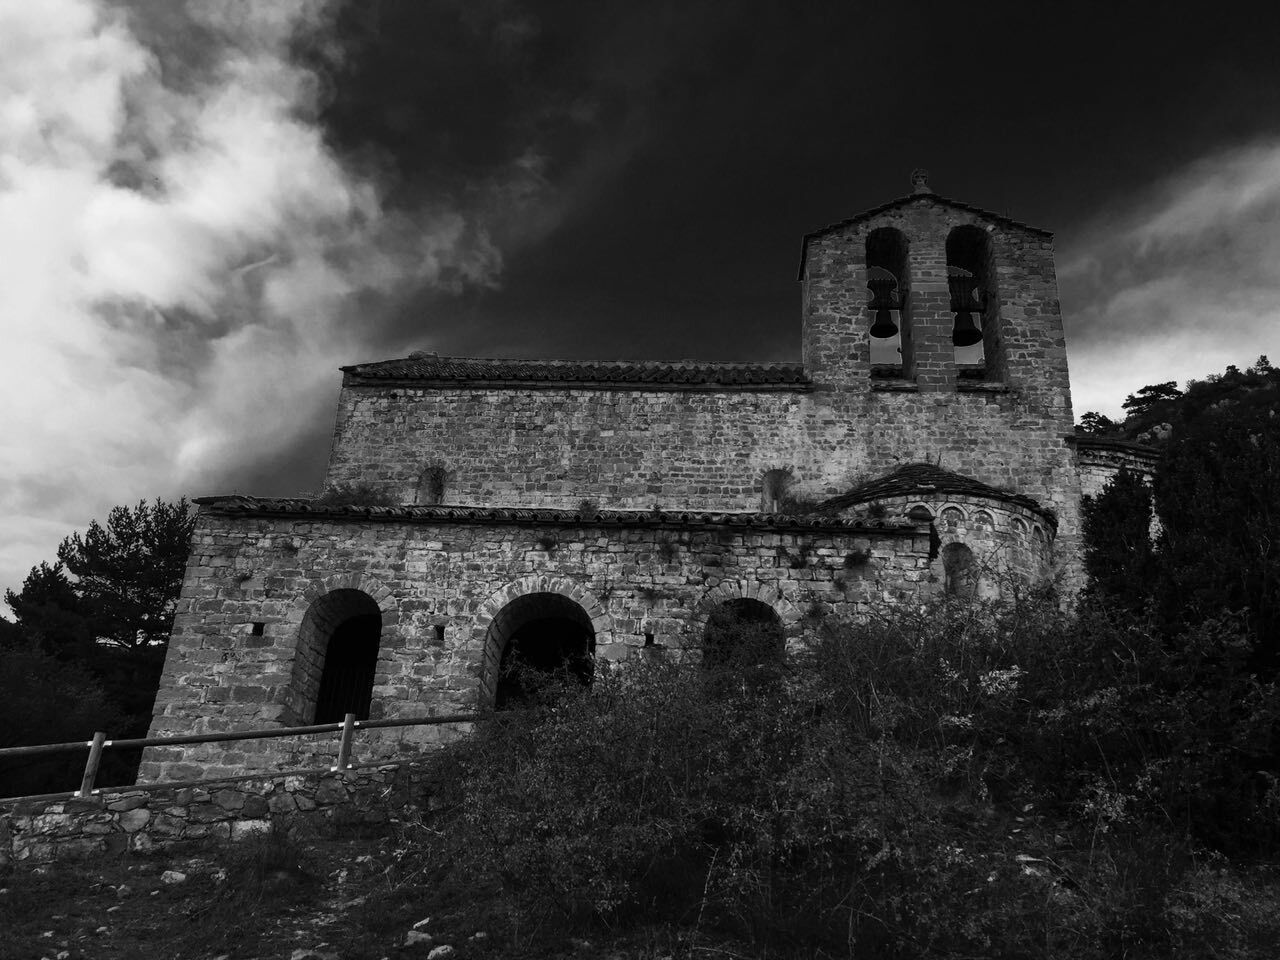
568	512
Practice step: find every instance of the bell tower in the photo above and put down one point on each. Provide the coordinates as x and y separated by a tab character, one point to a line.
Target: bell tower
934	295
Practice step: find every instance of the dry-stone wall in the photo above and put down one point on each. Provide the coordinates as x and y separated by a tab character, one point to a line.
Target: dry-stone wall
40	831
243	632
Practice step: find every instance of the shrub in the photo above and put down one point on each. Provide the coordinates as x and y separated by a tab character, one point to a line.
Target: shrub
957	780
356	495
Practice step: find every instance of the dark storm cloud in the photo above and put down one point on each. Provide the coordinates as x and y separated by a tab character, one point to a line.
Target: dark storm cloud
234	197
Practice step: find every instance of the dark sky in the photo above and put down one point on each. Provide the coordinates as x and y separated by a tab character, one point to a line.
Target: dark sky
686	148
207	206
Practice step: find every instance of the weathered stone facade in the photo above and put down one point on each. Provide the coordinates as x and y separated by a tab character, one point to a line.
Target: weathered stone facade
644	582
627	500
1100	459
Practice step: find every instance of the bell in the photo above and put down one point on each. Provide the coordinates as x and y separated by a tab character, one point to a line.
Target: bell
881	283
965	303
965	333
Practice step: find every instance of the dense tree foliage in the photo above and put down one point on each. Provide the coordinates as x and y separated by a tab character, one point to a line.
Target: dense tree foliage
101	616
1217	492
1096	424
1118	549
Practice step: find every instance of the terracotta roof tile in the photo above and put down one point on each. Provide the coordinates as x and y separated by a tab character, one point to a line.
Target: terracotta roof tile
472	370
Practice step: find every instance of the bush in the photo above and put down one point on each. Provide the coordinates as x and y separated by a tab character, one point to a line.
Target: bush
963	779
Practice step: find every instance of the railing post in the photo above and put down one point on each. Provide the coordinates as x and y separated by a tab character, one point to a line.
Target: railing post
344	745
91	765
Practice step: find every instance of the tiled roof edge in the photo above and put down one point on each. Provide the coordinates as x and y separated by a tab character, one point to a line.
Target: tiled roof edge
569	374
541	516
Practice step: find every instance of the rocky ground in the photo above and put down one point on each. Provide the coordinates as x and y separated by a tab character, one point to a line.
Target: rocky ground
325	900
261	899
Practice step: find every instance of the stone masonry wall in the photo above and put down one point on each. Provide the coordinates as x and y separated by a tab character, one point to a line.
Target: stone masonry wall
143	821
685	449
1098	463
242	621
1012	545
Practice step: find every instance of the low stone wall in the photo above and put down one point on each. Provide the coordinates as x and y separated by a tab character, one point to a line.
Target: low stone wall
143	821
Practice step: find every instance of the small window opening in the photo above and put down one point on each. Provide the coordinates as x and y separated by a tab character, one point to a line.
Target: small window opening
258	628
648	640
960	571
773	488
888	280
971	283
440	633
431	484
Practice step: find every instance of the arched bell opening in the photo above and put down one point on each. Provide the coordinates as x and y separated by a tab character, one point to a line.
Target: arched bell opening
975	302
337	657
889	280
743	634
540	639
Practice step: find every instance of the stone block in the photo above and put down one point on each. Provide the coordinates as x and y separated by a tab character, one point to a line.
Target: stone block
134	819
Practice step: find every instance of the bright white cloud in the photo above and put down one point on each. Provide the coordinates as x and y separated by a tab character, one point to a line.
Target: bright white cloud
1180	285
178	257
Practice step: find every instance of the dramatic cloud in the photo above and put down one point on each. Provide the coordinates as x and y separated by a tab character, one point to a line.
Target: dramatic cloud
184	261
1180	285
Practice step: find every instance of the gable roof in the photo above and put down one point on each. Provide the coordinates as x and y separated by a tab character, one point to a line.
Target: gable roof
923	479
922	197
477	372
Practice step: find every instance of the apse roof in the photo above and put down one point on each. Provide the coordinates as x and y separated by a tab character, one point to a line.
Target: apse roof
676	375
923	479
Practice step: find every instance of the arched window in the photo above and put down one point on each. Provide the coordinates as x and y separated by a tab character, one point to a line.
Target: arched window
431	484
889	280
953	517
960	571
982	520
975	303
337	656
544	639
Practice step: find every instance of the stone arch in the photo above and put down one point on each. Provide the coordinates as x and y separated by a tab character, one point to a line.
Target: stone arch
983	520
920	511
316	619
768	594
489	643
888	260
952	516
742	632
975	301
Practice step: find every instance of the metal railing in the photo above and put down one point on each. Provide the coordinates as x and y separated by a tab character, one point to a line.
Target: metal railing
347	730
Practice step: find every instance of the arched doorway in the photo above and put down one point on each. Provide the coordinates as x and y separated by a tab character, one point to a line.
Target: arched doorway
742	633
541	637
333	672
